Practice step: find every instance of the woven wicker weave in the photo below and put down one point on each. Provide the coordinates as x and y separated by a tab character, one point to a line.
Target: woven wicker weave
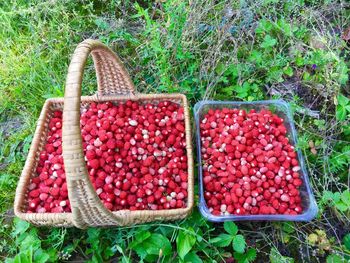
114	84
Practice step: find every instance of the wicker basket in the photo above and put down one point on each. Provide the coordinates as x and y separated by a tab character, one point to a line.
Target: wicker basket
114	84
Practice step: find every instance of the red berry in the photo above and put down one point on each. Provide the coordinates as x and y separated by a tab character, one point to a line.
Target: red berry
94	163
249	167
90	154
131	149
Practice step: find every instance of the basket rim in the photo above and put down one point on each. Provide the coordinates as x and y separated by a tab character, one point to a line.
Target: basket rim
69	215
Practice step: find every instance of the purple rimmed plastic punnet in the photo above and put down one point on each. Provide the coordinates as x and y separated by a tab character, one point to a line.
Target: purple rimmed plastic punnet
282	109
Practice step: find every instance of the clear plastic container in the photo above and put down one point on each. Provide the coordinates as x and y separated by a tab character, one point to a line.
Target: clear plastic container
281	108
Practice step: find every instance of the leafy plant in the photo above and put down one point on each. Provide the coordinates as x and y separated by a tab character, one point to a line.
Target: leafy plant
98	247
185	241
276	257
268	42
29	245
343	107
346	241
150	246
319	239
341	201
334	258
287	230
231	237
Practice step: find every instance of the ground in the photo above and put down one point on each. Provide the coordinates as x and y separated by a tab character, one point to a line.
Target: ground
223	50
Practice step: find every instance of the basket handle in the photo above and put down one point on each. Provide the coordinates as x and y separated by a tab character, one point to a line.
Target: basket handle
112	78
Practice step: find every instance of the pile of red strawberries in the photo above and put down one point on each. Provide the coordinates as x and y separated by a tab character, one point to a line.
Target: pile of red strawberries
135	155
48	190
249	165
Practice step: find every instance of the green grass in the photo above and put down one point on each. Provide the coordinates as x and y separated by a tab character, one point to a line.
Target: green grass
224	50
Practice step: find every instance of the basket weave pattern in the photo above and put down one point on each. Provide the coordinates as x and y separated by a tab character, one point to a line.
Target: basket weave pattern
115	85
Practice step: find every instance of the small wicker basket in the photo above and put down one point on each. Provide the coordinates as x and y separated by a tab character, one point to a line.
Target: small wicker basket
115	85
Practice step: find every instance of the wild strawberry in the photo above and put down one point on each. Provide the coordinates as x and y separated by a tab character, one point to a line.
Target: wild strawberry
259	172
121	143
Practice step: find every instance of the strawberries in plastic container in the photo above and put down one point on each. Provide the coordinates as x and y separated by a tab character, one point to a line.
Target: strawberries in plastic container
249	167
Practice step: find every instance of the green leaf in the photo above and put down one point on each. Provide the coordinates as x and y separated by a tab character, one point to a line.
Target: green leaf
251	255
288	227
140	251
40	256
151	247
242	91
23	257
96	258
300	61
224	80
184	243
139	238
342	100
30	241
232	70
288	71
165	231
285	27
247	257
228	90
268	42
345	197
306	76
155	243
192	257
52	252
340	113
276	257
346	241
343	72
346	130
93	235
220	68
108	252
223	240
69	248
238	244
263	26
336	197
20	227
312	239
256	56
95	248
275	74
231	227
335	259
341	206
327	196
